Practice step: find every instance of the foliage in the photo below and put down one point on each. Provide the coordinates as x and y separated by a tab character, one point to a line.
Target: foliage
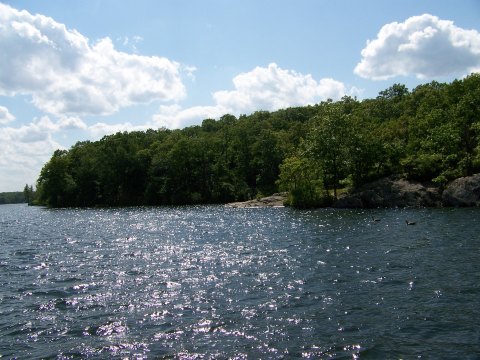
28	195
15	197
327	144
303	180
430	133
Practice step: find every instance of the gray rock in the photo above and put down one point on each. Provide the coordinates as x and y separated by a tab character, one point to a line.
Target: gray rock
391	192
394	192
275	200
349	202
463	191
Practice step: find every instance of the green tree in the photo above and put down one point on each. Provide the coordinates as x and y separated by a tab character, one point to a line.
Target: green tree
365	151
55	185
432	133
15	197
267	159
28	194
302	179
467	118
85	172
327	144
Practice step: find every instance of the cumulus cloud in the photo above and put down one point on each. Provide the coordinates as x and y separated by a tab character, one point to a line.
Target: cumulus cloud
98	130
5	116
424	46
272	88
65	73
264	88
176	117
131	42
39	129
24	150
24	146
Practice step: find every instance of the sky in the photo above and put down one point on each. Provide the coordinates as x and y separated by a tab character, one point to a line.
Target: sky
76	70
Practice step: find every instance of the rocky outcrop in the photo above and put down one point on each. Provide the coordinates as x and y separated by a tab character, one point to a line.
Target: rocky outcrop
463	191
391	192
275	200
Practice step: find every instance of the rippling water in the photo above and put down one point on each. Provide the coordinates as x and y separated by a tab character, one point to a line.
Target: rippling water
211	282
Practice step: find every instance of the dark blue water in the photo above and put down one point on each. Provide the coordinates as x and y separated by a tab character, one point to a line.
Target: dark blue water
218	283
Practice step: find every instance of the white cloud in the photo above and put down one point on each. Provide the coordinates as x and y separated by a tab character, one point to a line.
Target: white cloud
272	88
24	150
98	130
264	88
66	74
175	117
71	123
424	46
189	71
5	116
39	129
131	42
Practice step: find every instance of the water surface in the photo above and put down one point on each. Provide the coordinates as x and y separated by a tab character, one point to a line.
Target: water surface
214	282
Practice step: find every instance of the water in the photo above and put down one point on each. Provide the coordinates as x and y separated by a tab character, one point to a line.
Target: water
217	283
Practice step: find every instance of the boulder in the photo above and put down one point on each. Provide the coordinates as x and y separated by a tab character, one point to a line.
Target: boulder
464	191
391	192
275	200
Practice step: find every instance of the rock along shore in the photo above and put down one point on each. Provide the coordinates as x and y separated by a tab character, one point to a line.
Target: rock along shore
398	192
275	200
393	191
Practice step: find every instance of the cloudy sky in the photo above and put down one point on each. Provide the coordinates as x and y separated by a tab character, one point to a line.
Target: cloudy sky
73	70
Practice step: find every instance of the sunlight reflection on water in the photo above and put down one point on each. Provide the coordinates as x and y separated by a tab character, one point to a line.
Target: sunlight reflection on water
197	282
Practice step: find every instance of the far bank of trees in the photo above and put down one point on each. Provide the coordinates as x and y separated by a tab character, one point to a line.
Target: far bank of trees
430	134
15	197
18	197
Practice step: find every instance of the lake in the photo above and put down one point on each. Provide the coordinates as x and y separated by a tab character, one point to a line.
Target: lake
211	282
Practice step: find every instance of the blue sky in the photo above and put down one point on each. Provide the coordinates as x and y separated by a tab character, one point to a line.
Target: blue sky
77	70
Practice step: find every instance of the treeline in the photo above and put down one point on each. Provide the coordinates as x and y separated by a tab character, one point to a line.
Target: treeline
14	197
431	134
17	197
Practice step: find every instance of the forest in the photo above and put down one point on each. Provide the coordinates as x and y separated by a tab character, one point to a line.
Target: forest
315	152
15	197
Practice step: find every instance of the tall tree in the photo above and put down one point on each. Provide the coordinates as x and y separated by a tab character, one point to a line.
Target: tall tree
327	143
28	193
55	184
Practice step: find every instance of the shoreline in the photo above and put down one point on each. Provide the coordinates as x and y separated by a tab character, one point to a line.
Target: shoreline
273	201
392	192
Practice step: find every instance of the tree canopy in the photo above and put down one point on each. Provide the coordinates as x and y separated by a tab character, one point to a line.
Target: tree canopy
15	197
431	133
